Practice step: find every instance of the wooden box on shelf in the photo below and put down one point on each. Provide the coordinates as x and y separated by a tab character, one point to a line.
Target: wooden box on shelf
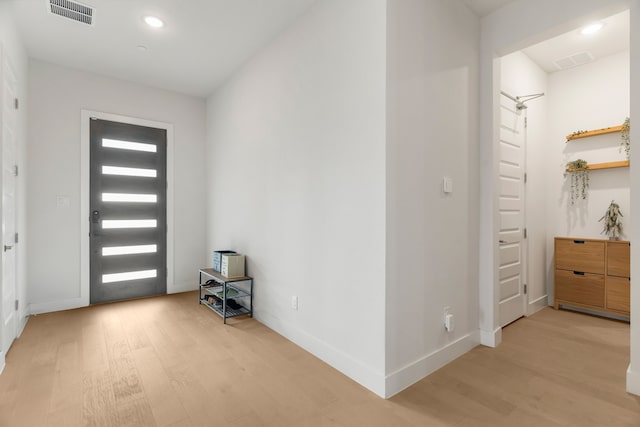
593	274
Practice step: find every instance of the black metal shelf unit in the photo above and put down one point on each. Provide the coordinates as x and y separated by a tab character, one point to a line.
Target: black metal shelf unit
220	289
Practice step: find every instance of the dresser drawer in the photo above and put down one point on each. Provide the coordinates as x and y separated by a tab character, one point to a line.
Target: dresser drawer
618	294
580	255
618	259
586	288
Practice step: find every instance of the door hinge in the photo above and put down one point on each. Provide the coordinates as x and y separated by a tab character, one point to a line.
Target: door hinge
525	233
525	288
16	103
525	177
16	238
17	305
15	170
526	122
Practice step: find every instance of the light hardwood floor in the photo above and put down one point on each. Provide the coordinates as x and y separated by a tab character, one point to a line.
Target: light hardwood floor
167	361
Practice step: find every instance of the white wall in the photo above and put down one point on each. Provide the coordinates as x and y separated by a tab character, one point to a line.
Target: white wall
592	96
296	166
56	96
11	46
432	237
521	76
500	35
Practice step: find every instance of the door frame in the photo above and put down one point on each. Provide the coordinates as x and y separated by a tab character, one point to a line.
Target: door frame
498	38
85	279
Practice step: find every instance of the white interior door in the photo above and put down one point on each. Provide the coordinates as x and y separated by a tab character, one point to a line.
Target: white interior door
511	208
9	172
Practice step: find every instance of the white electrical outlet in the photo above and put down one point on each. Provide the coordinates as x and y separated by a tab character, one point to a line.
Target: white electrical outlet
447	319
449	324
294	302
447	185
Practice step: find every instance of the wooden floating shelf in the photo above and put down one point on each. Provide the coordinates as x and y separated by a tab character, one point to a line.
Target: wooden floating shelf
597	132
609	165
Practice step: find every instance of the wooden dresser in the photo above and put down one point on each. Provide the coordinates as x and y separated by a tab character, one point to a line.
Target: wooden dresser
593	274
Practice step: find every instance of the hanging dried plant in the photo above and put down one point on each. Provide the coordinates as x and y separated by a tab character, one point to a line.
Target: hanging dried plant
612	221
574	134
625	135
579	172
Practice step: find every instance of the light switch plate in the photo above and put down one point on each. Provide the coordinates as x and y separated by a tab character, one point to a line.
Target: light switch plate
63	201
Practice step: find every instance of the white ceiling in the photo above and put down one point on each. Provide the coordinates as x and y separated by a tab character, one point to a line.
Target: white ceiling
203	41
613	38
485	7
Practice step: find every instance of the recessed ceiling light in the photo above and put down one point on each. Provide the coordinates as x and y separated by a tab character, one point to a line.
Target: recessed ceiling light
592	28
141	48
154	22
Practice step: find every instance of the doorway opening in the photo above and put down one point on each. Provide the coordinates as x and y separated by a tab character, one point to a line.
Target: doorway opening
128	211
586	81
117	251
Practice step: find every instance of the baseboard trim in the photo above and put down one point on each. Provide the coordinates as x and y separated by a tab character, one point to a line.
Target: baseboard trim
178	288
72	303
414	372
491	339
538	304
48	307
354	369
595	313
633	381
24	318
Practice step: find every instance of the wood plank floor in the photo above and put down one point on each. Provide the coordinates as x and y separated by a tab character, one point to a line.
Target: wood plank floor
167	361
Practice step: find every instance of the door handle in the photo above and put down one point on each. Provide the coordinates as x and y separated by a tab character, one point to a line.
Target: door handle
8	247
502	242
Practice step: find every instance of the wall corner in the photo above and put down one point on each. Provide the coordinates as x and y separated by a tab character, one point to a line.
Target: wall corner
633	381
491	338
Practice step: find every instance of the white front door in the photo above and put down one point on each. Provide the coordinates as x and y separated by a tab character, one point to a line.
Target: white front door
9	172
511	208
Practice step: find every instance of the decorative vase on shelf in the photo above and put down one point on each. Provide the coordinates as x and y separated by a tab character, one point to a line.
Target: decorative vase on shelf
612	222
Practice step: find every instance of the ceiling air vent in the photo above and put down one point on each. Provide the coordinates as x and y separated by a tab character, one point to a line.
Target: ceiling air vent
72	10
573	60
